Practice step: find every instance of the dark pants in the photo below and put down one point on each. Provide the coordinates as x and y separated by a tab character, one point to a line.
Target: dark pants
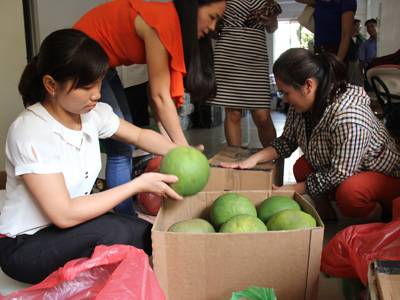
31	258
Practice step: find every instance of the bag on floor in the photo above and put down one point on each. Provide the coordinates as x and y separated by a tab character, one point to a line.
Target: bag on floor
112	272
348	254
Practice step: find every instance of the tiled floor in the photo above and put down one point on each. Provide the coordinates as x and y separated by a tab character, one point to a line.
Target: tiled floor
214	141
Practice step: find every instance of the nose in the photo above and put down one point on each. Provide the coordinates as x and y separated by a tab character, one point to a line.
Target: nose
213	24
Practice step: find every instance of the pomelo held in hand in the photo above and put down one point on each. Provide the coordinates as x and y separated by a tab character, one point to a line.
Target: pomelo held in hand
190	166
243	223
193	226
289	219
228	205
274	204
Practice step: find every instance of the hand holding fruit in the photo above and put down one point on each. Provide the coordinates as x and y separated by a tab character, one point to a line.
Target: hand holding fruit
157	183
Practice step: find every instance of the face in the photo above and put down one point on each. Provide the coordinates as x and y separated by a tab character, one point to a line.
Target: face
371	28
207	17
81	100
303	100
356	27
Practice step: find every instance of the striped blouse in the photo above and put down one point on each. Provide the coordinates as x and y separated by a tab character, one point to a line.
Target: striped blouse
348	139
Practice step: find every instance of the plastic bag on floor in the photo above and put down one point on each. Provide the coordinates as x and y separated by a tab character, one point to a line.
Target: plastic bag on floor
112	272
347	255
254	293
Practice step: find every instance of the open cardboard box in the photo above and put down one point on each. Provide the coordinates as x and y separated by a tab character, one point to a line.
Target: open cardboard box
211	266
261	177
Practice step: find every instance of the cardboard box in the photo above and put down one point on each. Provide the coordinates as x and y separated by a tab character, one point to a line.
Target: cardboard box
261	177
211	266
383	280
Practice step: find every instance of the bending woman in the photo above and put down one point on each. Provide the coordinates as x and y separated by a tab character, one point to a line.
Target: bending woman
149	32
349	156
53	159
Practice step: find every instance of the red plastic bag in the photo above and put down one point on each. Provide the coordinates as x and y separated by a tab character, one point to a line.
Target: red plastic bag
348	254
112	272
150	203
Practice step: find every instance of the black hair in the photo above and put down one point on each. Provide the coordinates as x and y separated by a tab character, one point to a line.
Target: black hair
296	65
200	79
66	54
356	21
371	21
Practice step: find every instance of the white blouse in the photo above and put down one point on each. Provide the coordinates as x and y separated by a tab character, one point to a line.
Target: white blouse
37	143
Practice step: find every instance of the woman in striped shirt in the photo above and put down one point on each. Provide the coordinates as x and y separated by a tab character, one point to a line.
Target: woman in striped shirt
348	156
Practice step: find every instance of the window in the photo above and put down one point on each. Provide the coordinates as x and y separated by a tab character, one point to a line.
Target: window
290	34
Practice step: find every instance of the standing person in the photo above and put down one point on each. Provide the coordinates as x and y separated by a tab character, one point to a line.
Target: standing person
242	71
333	22
354	50
348	156
368	52
53	158
137	31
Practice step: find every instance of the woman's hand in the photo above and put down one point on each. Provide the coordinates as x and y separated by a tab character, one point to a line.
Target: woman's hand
199	147
300	188
269	20
247	163
157	183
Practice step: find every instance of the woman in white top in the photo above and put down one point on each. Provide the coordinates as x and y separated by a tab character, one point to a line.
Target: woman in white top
53	159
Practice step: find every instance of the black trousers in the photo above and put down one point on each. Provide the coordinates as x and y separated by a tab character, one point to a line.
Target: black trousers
31	258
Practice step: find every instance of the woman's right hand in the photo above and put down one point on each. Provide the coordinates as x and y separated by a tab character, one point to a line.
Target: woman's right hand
247	163
157	183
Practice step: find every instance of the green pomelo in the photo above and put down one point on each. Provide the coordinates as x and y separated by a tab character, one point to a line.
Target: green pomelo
190	166
229	205
192	226
289	219
274	204
243	223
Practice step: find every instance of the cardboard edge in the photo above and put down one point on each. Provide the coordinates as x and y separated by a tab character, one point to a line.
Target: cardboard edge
314	260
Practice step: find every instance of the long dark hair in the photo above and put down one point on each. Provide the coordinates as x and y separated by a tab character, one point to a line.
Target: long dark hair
66	54
296	65
200	78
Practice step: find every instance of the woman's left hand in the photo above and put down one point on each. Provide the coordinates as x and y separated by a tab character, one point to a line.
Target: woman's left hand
269	20
300	188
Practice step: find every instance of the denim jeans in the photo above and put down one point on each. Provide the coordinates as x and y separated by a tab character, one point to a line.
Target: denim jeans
119	155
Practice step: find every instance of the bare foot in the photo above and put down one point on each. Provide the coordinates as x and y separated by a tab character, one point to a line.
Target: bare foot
148	218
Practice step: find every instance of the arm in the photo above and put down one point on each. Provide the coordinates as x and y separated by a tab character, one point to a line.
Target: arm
52	195
162	105
347	23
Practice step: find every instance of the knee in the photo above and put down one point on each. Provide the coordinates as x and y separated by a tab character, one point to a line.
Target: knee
262	118
233	115
301	169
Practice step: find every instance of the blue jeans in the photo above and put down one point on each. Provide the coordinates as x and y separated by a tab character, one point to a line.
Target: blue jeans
119	155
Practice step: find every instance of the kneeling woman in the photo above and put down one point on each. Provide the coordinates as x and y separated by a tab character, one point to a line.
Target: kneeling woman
348	156
53	159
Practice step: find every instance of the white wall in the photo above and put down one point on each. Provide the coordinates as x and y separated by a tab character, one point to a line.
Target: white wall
12	62
388	27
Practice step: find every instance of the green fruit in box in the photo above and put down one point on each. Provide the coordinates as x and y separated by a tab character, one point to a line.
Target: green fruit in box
274	204
228	205
192	226
243	223
290	219
190	166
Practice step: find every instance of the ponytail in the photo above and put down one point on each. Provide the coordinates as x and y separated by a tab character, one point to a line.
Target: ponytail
31	85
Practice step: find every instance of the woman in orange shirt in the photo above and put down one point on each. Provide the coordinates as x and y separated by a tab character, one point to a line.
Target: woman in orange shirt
137	31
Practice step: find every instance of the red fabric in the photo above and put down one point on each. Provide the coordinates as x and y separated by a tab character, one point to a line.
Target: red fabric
356	197
112	26
348	254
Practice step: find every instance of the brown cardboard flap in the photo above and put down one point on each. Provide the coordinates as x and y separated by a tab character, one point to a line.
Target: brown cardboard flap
3	178
388	279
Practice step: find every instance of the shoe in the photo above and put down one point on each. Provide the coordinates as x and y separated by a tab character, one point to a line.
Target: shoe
334	220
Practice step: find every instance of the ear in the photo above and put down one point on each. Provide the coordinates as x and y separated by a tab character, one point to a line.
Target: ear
310	86
50	84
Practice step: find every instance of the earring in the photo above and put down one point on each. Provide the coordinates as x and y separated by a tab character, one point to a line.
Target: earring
54	94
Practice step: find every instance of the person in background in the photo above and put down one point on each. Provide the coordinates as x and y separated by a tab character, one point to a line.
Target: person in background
348	156
354	50
368	52
172	39
333	22
242	70
53	158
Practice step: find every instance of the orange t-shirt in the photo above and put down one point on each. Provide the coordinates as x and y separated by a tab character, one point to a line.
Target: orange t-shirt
112	25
